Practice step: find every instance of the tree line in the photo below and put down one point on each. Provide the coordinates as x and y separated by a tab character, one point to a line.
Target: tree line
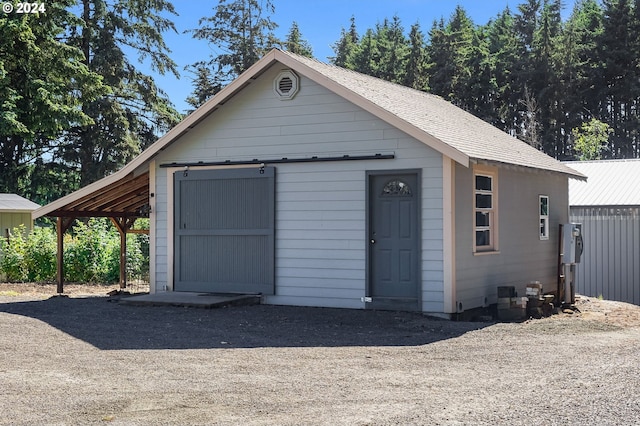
558	85
76	107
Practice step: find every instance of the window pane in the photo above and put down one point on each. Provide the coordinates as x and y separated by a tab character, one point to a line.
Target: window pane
483	238
482	218
483	183
483	201
396	187
544	206
544	228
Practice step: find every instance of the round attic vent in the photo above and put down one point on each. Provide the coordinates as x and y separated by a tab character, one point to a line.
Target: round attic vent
286	85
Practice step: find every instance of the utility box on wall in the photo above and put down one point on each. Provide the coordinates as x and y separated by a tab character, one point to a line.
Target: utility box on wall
573	243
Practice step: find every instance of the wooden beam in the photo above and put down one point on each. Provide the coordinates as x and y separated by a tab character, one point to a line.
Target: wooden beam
138	231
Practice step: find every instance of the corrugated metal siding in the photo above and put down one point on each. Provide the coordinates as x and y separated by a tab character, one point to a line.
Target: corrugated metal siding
610	264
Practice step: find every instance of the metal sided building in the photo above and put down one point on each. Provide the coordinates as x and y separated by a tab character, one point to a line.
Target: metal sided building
318	186
608	206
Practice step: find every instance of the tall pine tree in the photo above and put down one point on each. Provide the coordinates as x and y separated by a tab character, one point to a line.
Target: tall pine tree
345	46
136	112
294	42
40	77
241	32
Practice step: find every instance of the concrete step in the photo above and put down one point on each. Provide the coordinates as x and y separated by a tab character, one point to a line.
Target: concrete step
191	299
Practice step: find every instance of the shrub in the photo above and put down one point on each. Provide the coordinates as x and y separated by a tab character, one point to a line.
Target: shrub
91	254
40	254
88	256
12	252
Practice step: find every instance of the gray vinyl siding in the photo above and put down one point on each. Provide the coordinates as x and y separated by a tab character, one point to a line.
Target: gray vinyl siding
609	265
522	257
320	207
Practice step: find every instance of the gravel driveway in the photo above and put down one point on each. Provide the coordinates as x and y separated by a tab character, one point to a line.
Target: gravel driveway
88	361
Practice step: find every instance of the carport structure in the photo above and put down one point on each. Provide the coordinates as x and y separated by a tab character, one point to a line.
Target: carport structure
122	198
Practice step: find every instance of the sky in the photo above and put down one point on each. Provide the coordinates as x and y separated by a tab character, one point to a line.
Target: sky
320	22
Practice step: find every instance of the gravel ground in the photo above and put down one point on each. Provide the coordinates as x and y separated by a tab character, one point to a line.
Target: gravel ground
84	360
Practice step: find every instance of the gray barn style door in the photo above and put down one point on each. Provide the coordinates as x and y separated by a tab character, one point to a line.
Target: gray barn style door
394	242
224	230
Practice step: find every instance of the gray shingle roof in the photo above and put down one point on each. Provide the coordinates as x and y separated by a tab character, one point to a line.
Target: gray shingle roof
441	119
15	203
611	183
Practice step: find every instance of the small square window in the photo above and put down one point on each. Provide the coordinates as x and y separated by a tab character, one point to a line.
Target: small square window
483	238
483	219
483	183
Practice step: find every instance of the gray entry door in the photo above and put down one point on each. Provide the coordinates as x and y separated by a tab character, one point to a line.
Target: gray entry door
224	230
394	241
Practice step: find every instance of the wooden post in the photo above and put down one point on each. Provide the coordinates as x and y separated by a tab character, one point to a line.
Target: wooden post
123	225
61	227
123	259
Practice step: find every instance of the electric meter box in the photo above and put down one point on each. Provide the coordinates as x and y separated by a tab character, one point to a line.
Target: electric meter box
572	243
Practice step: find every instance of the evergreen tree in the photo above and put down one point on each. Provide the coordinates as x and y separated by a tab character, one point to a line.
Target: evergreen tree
415	75
580	63
393	50
505	53
477	77
450	53
205	85
294	42
344	47
242	32
39	79
544	82
136	112
619	84
439	62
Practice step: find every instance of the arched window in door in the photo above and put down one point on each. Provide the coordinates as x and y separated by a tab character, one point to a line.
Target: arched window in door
397	187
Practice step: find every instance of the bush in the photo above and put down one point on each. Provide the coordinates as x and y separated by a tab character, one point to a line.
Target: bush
91	254
12	252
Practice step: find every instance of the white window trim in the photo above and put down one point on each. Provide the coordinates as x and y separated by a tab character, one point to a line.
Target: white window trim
544	235
492	172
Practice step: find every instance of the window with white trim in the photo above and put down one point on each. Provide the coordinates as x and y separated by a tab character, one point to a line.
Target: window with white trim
485	209
544	216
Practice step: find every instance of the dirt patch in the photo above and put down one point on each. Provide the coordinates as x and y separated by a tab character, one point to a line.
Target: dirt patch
84	360
617	314
45	290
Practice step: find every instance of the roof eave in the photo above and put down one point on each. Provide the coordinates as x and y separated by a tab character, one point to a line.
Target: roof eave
570	173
